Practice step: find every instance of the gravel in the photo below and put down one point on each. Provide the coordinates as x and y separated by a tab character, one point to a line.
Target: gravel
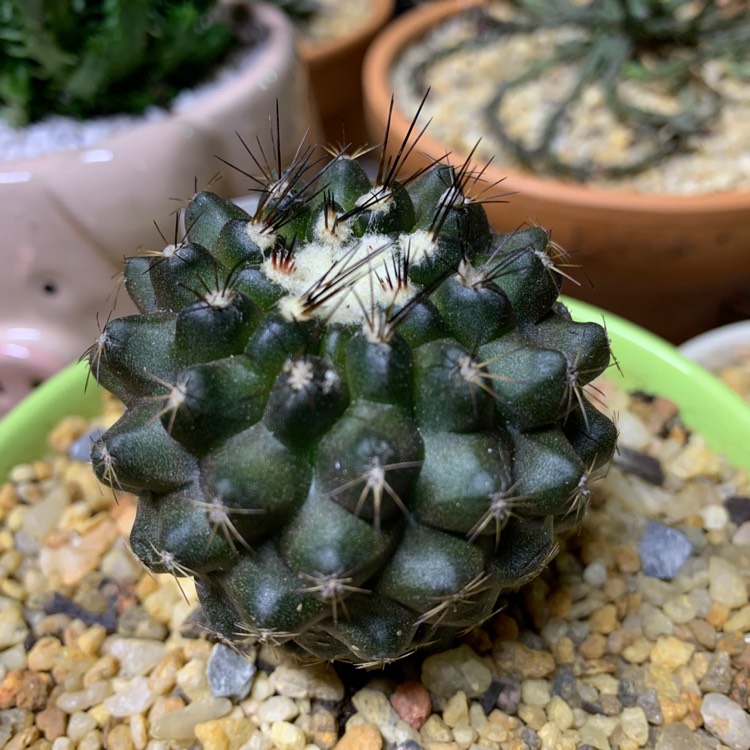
598	652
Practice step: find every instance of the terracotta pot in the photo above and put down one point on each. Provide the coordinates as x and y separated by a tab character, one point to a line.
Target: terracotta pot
335	71
69	218
665	262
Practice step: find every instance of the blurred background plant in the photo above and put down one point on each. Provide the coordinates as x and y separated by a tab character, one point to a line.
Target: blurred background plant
83	58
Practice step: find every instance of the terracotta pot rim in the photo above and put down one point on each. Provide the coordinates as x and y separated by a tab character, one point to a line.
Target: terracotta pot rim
414	24
316	54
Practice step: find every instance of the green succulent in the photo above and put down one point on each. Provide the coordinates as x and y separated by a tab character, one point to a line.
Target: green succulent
85	58
355	415
659	65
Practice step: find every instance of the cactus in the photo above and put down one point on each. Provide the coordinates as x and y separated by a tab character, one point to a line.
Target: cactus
355	415
660	70
94	58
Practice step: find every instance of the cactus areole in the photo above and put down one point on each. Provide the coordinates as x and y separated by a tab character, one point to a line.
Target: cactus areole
355	416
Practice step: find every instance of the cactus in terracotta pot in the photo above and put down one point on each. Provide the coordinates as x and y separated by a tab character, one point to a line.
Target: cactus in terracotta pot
356	416
616	87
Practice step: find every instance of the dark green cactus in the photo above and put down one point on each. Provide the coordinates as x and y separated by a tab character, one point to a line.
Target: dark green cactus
93	58
357	415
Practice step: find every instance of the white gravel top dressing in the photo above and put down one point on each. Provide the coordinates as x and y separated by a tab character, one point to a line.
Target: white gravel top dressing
463	83
57	133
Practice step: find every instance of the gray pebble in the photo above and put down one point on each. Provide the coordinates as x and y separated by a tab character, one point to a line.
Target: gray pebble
678	736
663	551
229	673
738	508
726	720
509	695
648	700
409	745
80	449
718	678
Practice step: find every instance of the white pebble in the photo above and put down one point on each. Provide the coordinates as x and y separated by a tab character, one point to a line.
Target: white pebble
137	656
277	708
80	700
715	517
80	724
135	698
595	574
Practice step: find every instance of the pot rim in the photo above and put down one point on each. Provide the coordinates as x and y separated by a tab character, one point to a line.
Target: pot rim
413	25
645	362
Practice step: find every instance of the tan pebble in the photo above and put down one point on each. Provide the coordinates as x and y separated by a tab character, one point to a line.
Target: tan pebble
286	736
717	615
672	709
593	646
139	731
615	589
324	728
102	669
13	589
52	722
435	729
638	651
91	639
662	680
559	603
22	473
119	737
192	679
23	739
464	735
224	734
739	621
163	677
534	716
549	734
618	640
101	714
165	705
604	620
564	650
627	558
65	432
733	643
146	585
411	701
8	496
80	724
442	746
506	628
559	712
456	710
671	653
42	470
514	657
704	633
497	727
91	741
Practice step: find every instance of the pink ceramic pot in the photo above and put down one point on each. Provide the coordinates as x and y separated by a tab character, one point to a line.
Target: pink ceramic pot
69	219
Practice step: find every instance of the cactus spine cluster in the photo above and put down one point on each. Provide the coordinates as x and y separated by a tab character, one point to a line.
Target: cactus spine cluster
356	415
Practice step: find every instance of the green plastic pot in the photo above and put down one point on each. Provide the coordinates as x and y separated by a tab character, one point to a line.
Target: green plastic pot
646	363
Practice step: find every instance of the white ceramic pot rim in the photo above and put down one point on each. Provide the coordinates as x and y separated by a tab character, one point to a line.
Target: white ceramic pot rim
719	346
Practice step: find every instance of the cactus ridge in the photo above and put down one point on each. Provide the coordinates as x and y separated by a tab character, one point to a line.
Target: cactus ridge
358	415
